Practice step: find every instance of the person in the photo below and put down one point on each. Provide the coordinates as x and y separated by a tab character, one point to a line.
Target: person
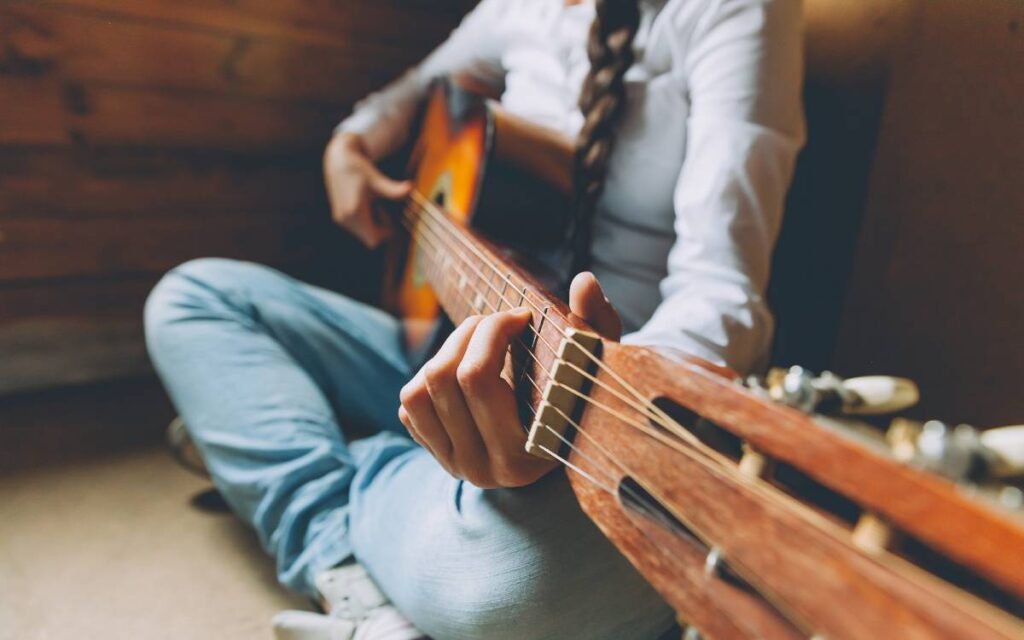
688	119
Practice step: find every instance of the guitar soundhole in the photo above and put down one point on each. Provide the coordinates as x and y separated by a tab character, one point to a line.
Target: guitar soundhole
637	500
706	431
439	199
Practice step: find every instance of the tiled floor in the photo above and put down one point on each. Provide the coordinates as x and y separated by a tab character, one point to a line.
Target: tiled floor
98	534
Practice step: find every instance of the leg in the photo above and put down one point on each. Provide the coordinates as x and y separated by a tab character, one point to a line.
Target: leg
467	563
263	369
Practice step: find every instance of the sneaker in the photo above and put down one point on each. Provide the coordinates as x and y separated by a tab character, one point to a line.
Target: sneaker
358	611
184	449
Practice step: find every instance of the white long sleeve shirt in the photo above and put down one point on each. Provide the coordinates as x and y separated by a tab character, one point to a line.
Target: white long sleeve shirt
684	232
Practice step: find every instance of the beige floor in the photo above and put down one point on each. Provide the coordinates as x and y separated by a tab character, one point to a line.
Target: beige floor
99	539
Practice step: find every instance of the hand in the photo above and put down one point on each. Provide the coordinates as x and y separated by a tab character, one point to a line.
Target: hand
354	183
462	408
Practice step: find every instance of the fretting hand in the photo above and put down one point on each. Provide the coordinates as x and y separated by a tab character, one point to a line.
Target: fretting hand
462	409
354	184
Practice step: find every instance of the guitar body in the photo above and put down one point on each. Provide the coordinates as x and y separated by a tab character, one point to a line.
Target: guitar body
477	164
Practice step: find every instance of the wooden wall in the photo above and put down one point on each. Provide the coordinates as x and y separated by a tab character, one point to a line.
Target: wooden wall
936	293
903	246
136	134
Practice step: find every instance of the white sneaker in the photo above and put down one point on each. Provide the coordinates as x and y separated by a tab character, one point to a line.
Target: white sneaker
183	448
358	611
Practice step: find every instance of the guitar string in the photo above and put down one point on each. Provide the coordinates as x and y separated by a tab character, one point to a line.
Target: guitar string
659	416
631	422
558	359
408	222
411	225
651	411
535	417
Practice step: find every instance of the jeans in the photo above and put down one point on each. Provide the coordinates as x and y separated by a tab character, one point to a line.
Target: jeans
270	374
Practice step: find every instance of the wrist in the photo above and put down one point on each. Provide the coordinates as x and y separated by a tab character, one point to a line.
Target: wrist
346	141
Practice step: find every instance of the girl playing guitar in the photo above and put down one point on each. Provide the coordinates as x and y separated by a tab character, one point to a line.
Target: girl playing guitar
687	119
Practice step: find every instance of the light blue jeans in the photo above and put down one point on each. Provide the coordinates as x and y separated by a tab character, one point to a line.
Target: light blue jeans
270	373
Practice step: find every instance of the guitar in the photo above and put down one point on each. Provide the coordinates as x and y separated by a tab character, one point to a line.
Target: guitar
750	512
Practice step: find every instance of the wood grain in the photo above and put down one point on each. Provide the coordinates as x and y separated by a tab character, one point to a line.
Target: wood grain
64	113
135	134
803	564
415	24
136	52
39	248
148	182
50	352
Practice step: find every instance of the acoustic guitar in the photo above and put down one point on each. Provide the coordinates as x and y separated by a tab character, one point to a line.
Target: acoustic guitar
753	513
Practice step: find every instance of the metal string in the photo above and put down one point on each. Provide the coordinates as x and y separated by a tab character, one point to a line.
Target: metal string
647	407
534	416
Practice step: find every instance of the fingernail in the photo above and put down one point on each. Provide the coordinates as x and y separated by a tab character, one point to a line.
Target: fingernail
520	311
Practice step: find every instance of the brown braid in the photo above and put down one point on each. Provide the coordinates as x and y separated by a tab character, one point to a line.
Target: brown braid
602	101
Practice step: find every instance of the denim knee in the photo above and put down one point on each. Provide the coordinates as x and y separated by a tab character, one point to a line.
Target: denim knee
190	290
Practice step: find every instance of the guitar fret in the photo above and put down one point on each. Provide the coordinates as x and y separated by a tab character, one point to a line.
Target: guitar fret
540	325
504	287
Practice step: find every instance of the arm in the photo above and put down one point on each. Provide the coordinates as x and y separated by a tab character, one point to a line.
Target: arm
744	74
380	123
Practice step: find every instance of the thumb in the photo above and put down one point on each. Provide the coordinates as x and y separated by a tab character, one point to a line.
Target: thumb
587	300
385	187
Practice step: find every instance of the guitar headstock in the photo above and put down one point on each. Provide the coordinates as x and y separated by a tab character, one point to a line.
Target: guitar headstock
731	497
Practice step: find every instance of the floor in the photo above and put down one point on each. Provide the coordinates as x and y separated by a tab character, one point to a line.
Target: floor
102	535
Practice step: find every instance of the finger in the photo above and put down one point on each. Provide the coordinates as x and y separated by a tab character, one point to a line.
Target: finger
384	187
587	300
423	420
369	231
492	402
403	417
469	456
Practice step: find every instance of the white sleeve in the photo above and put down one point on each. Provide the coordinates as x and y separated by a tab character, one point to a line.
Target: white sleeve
744	72
383	118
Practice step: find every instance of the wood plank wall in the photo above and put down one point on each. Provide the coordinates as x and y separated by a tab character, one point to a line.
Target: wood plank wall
903	244
136	134
936	294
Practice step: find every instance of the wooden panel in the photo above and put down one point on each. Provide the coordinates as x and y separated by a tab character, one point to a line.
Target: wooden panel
36	248
79	299
58	352
410	24
44	40
62	113
147	182
136	134
935	295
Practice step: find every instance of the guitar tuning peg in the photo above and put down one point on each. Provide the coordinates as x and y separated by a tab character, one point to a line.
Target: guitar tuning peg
875	395
828	393
962	453
954	452
1007	446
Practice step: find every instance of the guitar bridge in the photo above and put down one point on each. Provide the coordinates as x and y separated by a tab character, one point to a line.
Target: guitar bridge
565	385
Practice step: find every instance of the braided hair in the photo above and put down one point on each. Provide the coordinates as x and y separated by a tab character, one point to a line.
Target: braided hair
602	101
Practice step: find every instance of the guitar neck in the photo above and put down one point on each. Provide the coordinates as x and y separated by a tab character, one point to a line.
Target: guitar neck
470	276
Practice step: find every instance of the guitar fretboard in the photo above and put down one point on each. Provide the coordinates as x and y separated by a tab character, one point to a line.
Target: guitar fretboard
470	277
